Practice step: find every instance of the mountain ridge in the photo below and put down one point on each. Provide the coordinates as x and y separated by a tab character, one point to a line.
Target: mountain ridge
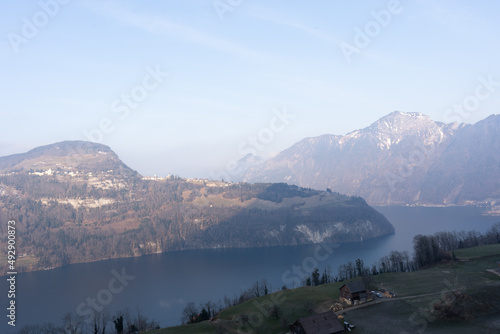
77	202
389	161
69	155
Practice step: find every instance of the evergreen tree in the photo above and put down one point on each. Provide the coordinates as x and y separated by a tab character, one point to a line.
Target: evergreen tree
324	278
359	267
203	315
308	281
315	277
119	324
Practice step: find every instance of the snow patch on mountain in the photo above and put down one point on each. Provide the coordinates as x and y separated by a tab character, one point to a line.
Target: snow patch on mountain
402	158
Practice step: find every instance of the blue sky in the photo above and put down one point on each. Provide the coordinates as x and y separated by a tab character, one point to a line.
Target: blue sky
230	73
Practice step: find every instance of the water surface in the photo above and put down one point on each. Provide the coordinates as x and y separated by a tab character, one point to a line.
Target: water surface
164	283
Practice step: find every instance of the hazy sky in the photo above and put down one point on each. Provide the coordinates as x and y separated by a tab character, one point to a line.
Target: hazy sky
97	70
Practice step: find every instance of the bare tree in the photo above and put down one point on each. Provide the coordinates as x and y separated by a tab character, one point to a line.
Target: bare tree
328	271
105	318
255	290
127	320
189	313
367	280
265	287
493	234
50	328
141	321
397	264
72	323
406	260
227	302
31	329
350	269
96	322
154	324
216	308
47	328
342	273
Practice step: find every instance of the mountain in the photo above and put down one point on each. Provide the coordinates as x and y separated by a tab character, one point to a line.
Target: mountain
248	161
403	158
468	171
77	202
66	156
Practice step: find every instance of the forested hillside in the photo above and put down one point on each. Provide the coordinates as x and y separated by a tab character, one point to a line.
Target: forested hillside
69	214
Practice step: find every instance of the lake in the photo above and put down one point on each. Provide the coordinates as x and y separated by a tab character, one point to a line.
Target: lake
160	285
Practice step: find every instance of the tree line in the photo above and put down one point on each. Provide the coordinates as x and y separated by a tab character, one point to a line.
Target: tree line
431	249
209	310
428	250
123	322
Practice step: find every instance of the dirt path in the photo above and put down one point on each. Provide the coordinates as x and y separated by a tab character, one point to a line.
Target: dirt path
383	300
494	271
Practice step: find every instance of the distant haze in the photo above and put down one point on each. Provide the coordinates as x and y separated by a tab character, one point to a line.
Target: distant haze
403	158
178	87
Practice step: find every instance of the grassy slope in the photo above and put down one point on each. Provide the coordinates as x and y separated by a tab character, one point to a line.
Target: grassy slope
410	315
469	274
488	250
293	304
407	315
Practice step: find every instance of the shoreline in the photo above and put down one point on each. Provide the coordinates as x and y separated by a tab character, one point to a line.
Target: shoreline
493	212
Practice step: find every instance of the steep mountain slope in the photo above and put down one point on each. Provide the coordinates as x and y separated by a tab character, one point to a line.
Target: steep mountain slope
399	159
469	169
77	202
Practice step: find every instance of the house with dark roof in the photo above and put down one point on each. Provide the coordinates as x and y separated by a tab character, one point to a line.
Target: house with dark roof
353	292
322	323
